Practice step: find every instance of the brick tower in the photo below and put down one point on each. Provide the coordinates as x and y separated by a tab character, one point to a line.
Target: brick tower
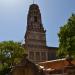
35	37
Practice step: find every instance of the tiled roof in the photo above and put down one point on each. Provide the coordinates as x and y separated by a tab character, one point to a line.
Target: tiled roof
55	64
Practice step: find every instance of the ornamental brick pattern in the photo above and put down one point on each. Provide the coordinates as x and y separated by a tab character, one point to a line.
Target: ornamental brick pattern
35	37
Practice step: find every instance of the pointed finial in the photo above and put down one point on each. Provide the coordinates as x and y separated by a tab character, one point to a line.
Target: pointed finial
33	1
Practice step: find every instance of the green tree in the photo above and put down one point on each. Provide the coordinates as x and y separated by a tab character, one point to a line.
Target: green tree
10	54
67	38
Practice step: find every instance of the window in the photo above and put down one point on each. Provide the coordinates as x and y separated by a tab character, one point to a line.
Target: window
35	18
43	55
37	55
31	55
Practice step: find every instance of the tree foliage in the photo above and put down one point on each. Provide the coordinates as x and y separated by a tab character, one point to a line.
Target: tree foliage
67	38
10	54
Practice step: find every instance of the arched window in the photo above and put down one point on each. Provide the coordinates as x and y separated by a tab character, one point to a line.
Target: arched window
35	18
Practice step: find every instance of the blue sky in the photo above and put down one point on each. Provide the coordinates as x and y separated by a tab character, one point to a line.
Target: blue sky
13	18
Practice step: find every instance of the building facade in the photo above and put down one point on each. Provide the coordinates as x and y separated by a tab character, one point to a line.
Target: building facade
35	37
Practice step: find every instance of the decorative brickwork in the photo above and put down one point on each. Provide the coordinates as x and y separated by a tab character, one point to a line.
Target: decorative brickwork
35	37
